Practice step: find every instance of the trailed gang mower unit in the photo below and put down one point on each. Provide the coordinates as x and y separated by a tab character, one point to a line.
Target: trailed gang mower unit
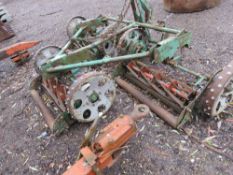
140	46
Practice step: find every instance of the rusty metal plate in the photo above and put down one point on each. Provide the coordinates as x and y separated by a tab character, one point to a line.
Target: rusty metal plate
6	32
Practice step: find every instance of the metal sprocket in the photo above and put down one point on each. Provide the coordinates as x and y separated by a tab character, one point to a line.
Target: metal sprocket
91	96
219	92
132	41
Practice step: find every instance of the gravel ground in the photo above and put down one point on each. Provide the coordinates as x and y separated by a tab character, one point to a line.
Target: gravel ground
157	149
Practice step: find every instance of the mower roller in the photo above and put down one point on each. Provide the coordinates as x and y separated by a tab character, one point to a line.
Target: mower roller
137	47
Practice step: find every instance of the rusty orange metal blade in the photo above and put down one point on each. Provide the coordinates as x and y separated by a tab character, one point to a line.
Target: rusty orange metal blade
16	49
20	47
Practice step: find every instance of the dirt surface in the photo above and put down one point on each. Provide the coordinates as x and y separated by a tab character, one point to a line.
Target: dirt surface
157	149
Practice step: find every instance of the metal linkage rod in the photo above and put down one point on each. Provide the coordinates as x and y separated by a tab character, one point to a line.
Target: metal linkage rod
149	26
99	62
96	43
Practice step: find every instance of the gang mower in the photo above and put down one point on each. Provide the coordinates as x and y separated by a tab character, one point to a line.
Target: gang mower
136	50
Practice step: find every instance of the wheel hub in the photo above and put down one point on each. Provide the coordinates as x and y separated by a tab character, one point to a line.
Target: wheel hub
91	96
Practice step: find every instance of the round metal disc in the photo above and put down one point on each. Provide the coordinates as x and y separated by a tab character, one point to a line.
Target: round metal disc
132	40
43	55
219	93
73	25
91	96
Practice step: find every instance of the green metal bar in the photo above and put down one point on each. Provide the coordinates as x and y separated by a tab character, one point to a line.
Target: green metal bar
149	26
90	46
158	28
200	77
189	71
177	58
200	80
98	62
70	42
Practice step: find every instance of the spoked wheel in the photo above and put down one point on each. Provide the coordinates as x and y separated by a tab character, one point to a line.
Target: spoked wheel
91	96
219	93
73	25
43	55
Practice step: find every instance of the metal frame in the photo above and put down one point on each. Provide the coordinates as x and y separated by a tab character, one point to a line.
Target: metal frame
159	51
91	35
